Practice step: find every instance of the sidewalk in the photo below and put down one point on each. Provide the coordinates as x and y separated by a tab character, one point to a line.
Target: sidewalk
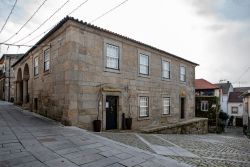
30	140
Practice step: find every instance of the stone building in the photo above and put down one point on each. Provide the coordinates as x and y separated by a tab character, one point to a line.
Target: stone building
7	76
78	73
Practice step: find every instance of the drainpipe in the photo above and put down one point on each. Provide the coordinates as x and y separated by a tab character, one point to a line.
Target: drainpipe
9	79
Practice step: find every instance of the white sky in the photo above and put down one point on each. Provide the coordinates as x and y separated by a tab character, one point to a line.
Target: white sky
213	33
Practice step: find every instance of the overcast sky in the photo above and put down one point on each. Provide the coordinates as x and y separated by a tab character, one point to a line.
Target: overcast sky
213	33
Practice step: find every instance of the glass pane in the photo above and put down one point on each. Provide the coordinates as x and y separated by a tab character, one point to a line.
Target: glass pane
166	65
112	51
144	59
143	69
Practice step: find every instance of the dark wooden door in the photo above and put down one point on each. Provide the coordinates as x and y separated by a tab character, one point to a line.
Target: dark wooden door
111	112
182	107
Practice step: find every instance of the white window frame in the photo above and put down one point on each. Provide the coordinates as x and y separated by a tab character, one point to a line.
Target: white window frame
107	45
232	110
204	105
46	60
166	106
165	71
143	65
183	74
142	107
36	66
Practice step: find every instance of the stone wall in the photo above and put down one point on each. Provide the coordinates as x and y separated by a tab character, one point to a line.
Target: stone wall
192	126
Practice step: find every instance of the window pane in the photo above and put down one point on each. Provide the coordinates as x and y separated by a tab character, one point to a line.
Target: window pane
144	59
166	105
112	56
143	69
143	106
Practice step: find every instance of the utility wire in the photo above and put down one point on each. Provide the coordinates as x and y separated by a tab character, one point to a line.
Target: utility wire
26	21
109	11
19	45
75	9
78	7
42	23
9	44
8	16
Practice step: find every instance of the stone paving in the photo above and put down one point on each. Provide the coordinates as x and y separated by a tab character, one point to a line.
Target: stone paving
216	150
30	140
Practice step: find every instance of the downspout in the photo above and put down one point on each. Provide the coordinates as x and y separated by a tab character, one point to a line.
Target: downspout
9	80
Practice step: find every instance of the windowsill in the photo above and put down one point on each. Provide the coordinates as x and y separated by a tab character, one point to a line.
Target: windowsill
143	75
46	72
165	79
143	118
112	70
166	115
36	76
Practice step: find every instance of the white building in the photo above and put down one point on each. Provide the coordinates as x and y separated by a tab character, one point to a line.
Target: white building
235	107
225	89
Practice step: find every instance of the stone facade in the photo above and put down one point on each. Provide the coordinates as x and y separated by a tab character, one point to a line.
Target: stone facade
78	83
7	77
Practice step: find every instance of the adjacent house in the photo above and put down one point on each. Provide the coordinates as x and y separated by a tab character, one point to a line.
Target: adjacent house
235	107
246	113
7	76
226	88
207	101
78	73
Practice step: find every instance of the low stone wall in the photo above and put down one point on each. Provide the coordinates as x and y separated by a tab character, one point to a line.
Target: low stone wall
193	126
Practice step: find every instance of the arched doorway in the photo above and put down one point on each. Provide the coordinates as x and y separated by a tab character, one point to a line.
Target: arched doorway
26	77
19	87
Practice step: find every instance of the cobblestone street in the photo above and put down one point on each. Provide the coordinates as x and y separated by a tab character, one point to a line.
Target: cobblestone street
196	150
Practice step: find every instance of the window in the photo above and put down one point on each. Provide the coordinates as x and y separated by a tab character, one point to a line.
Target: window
204	105
112	57
36	66
182	73
166	106
143	106
46	60
165	69
144	64
234	110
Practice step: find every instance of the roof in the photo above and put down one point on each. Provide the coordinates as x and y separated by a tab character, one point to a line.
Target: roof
204	84
241	89
235	97
224	86
67	18
246	93
11	55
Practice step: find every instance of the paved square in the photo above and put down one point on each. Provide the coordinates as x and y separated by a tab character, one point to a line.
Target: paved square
30	140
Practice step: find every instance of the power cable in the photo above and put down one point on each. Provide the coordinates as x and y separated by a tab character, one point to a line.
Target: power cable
78	7
56	24
26	22
42	23
8	16
109	11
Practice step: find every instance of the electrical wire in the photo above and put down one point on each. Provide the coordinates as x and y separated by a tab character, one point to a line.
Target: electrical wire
75	9
25	45
42	23
26	22
8	16
78	7
109	11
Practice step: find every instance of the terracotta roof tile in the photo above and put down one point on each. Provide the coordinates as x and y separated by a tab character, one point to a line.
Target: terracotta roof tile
204	84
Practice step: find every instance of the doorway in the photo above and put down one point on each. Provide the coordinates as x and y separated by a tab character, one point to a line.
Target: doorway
182	107
111	112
